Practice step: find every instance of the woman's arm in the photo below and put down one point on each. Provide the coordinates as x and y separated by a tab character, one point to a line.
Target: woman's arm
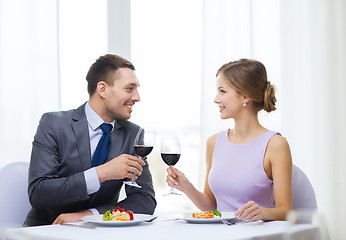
204	201
278	166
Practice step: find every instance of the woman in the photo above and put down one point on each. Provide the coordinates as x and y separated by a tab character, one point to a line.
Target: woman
248	167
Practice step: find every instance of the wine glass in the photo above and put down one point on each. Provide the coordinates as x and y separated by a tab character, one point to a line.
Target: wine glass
170	154
144	144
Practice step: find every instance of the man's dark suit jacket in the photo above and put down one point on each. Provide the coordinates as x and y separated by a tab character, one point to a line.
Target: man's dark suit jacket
61	153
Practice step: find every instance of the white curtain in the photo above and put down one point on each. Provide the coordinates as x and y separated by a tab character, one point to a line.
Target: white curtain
313	65
29	75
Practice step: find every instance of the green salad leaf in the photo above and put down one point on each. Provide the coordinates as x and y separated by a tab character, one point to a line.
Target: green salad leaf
216	213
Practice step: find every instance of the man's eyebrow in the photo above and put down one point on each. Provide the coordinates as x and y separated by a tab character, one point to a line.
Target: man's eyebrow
132	84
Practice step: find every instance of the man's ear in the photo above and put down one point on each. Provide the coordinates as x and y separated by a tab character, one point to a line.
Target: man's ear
101	88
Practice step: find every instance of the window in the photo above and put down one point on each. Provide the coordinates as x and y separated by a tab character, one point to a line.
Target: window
166	49
82	39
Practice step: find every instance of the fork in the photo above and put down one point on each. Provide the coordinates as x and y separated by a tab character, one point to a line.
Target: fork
228	222
231	222
234	221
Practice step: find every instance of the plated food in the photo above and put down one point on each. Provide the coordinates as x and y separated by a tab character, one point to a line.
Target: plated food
206	215
118	214
217	217
98	220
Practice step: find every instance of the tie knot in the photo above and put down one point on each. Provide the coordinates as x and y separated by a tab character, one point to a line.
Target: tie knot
106	128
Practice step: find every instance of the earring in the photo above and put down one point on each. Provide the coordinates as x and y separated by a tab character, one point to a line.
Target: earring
244	104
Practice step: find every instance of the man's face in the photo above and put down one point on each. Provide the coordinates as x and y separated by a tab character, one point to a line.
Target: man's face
120	98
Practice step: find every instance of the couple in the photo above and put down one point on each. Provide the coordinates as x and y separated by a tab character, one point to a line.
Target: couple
67	179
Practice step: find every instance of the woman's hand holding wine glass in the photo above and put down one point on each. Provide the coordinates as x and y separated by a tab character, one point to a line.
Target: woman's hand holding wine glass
177	179
170	154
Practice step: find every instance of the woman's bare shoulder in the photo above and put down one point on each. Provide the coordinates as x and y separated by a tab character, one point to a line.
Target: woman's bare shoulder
278	150
211	140
210	148
278	142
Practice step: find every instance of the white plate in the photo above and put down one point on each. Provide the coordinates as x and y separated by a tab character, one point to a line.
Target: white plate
98	219
224	216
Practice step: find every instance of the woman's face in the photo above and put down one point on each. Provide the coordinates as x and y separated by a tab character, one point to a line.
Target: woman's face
227	98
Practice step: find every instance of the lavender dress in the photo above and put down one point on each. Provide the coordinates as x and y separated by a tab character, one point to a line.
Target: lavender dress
237	174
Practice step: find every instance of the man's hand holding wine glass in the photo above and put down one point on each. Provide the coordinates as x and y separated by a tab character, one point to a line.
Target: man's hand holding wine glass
120	167
144	144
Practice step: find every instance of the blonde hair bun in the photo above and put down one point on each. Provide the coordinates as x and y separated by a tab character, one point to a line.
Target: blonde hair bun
269	98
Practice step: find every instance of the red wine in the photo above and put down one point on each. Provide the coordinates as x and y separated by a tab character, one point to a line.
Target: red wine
143	151
170	158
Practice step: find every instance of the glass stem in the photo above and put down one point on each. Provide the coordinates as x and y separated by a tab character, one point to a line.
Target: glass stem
172	191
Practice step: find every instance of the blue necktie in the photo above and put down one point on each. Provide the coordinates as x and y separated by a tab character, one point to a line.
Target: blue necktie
102	149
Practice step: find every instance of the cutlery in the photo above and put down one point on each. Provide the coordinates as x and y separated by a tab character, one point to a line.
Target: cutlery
228	222
169	219
151	219
233	221
86	225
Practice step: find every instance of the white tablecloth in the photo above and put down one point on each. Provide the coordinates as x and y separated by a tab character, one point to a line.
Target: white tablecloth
162	228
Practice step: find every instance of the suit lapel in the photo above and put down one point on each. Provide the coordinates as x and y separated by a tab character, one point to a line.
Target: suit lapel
80	128
117	138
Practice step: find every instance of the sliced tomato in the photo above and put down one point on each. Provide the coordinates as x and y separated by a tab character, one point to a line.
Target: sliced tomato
119	209
129	213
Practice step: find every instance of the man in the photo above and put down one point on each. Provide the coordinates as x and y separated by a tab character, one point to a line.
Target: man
65	183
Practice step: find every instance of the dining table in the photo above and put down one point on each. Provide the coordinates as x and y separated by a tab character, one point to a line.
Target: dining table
167	226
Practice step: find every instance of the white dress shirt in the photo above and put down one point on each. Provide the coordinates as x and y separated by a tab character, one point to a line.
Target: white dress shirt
95	134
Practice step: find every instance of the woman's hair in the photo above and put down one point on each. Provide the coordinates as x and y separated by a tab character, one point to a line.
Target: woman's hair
249	78
100	69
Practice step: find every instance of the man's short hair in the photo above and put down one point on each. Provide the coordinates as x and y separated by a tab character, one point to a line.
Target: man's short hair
102	67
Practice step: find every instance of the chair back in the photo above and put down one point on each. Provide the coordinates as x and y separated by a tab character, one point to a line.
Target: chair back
14	201
305	208
303	194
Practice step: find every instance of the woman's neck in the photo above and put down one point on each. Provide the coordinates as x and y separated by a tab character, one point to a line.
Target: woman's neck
246	128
